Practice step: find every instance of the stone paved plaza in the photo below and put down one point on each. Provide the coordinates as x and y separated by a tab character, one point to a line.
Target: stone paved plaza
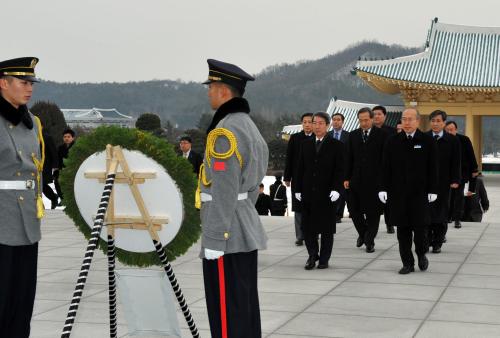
360	295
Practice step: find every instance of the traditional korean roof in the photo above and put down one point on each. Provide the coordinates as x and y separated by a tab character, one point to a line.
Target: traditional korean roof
350	111
456	56
94	114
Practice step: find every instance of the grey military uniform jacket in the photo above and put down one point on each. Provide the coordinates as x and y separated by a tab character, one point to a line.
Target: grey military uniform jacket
229	224
19	224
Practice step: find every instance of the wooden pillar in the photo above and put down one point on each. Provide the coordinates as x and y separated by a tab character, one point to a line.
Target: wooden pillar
425	125
473	129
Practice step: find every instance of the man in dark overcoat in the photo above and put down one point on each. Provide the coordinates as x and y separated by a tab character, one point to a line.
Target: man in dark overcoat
409	185
362	177
339	133
291	165
319	180
379	117
185	144
449	178
469	168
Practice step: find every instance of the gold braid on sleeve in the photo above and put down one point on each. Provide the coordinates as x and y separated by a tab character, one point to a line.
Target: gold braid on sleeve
211	153
40	209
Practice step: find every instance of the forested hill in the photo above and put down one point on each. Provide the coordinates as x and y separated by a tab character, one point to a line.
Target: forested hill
278	90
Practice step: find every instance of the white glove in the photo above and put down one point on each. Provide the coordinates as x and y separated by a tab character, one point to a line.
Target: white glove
382	196
213	254
298	196
432	197
334	195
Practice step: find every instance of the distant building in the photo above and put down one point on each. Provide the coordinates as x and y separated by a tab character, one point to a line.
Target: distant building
95	117
458	72
350	111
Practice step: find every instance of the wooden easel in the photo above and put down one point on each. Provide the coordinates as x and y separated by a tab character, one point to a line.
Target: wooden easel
133	179
115	160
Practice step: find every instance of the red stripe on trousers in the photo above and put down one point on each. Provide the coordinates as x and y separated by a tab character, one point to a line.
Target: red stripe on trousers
222	293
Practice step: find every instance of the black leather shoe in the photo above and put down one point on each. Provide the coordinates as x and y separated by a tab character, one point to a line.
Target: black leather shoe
370	248
423	263
299	242
359	242
458	225
310	264
338	220
390	229
444	239
436	249
53	203
322	266
406	270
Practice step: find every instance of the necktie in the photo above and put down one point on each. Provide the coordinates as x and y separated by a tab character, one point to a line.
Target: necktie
436	137
337	136
365	136
318	144
409	137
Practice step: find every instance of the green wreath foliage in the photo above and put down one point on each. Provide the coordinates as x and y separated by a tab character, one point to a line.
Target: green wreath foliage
159	150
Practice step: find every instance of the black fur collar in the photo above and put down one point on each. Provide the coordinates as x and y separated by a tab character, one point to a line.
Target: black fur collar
235	105
15	116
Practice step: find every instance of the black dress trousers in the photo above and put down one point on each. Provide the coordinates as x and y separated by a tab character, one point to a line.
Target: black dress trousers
241	295
17	289
405	236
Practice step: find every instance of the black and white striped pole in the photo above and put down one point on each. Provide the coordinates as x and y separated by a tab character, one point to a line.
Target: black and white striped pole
113	329
175	286
89	254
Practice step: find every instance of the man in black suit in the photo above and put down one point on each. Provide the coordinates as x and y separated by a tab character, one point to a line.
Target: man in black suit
291	165
409	185
193	157
263	204
62	153
362	178
379	116
469	174
449	178
319	179
341	135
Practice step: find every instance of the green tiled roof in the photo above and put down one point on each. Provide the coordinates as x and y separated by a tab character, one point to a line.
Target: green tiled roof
455	55
350	111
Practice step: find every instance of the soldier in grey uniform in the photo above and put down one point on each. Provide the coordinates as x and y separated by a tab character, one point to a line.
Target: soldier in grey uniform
235	163
20	224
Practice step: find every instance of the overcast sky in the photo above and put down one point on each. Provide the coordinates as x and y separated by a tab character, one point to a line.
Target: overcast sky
133	40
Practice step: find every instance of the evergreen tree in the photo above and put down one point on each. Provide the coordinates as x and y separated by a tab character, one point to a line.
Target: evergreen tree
52	119
148	122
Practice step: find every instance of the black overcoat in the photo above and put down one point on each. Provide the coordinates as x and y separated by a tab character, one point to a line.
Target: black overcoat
449	172
317	175
363	170
468	159
291	164
410	172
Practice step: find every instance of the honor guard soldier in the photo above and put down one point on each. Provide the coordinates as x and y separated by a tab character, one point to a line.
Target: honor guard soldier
235	162
21	146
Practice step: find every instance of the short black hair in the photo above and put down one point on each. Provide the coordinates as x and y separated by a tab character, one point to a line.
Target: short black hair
339	114
186	138
438	112
452	122
69	131
365	110
382	108
261	185
305	115
278	176
323	115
